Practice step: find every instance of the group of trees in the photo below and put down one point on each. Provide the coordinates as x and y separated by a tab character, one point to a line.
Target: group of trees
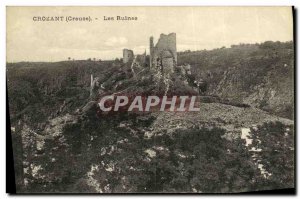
236	73
192	160
89	59
276	142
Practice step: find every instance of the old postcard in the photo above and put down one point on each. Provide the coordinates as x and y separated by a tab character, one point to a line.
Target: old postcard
151	99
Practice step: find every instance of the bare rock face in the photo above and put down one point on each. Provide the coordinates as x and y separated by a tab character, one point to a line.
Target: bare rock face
261	90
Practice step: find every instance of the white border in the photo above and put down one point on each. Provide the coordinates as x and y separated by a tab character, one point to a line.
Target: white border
5	3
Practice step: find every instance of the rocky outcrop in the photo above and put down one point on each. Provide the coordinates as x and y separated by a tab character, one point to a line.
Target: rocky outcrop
271	91
260	75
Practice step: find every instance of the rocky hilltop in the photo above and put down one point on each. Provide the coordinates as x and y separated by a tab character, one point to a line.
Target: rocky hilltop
68	147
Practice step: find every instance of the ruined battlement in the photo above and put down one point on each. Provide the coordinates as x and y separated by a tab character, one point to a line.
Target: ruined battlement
128	56
163	55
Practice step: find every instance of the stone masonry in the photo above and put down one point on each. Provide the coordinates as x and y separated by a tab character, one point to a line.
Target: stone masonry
163	55
128	56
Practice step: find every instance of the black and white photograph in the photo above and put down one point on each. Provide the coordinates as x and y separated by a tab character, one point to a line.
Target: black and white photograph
151	99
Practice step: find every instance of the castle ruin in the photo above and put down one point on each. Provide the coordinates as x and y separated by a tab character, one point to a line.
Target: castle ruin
141	59
128	56
163	55
162	61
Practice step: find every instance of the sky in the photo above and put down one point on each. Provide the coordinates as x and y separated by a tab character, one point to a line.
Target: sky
196	28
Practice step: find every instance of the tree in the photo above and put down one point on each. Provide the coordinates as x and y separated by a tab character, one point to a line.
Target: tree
276	142
17	147
200	160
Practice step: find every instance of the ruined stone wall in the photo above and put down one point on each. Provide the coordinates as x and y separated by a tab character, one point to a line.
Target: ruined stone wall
167	65
151	51
164	54
128	56
141	59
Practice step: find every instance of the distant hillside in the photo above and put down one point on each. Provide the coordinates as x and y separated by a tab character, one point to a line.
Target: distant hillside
62	144
40	88
261	75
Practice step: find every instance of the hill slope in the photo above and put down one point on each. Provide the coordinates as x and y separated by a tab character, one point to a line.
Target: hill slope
261	75
67	147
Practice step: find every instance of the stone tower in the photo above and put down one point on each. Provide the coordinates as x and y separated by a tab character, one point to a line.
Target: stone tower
151	50
128	56
163	55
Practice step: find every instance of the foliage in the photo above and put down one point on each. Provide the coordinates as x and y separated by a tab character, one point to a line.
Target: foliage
250	73
277	154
